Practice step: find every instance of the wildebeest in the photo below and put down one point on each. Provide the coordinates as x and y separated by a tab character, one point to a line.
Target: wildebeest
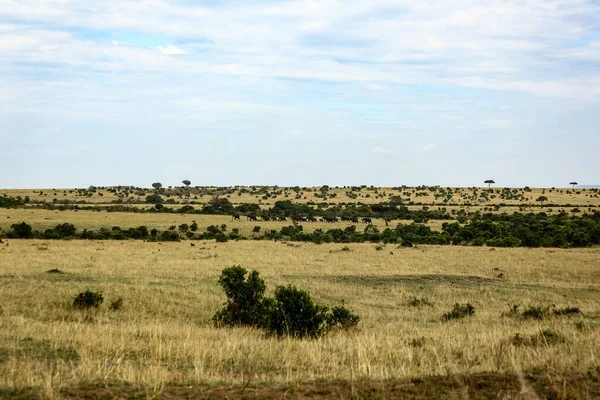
311	219
252	218
282	218
192	244
353	220
367	220
236	217
266	218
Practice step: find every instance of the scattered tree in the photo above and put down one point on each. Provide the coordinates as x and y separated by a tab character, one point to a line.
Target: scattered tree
157	185
542	199
186	182
573	184
489	182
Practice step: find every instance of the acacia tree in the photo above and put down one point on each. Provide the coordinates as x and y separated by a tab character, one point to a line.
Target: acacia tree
186	182
542	199
573	184
489	182
157	185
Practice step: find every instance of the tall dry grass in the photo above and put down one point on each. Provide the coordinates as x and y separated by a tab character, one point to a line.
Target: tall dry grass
164	333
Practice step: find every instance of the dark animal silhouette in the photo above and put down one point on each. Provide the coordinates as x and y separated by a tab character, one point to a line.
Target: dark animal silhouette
252	218
236	217
192	244
367	220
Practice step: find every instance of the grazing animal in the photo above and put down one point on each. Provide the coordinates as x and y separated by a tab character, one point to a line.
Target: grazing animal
282	218
354	220
311	219
266	218
236	217
367	220
192	244
252	218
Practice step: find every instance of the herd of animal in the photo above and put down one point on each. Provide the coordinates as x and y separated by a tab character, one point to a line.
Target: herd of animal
355	220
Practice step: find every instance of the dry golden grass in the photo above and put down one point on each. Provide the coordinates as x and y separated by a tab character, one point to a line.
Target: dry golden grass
576	197
41	220
164	333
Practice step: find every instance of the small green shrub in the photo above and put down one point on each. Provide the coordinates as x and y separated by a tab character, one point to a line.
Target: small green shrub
117	304
460	311
295	314
256	229
567	311
88	299
414	301
246	304
342	318
536	312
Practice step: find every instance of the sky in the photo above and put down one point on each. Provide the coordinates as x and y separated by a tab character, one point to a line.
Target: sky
377	92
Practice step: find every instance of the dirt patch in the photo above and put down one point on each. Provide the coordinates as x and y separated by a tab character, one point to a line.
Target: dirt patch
532	385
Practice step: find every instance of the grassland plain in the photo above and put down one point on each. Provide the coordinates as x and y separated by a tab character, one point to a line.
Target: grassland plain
162	340
368	195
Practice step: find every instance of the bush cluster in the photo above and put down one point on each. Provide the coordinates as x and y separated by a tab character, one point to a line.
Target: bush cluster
290	312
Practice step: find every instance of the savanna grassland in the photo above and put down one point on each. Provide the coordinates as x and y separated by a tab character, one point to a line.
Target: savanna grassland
161	340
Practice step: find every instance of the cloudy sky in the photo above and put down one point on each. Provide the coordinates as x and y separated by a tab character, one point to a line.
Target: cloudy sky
382	92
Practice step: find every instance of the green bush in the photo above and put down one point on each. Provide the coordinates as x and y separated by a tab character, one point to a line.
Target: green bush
460	311
88	299
342	318
246	304
22	230
295	314
291	312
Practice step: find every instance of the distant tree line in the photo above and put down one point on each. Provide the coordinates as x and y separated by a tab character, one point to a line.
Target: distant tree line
500	230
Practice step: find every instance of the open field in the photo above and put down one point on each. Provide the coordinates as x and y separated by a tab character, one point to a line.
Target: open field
41	219
368	195
163	336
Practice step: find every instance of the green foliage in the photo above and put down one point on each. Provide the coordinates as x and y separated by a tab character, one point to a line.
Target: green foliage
154	198
246	304
294	314
88	299
169	236
536	312
342	318
22	230
460	311
291	312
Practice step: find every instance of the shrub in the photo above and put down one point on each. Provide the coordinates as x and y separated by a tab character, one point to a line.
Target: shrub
414	301
459	311
536	312
22	230
55	271
256	229
567	311
246	304
88	299
290	313
117	304
342	318
169	236
295	314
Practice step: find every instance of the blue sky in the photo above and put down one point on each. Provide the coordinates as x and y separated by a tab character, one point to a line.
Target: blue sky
382	92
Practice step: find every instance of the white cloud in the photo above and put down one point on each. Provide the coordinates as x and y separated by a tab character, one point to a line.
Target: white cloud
383	150
430	147
170	50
